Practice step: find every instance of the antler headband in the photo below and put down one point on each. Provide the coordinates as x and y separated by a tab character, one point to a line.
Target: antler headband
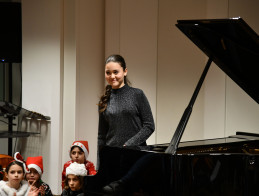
18	157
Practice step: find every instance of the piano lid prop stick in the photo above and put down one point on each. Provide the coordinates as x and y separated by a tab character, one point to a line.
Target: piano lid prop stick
171	149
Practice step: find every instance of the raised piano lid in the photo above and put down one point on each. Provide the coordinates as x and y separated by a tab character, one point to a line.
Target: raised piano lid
232	45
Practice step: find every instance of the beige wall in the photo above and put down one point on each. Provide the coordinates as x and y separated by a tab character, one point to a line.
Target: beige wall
90	58
180	64
83	83
64	46
42	77
70	70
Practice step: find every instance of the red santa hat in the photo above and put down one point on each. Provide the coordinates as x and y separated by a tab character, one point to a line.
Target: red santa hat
36	163
83	145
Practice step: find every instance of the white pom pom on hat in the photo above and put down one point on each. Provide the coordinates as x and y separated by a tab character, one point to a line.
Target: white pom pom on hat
76	169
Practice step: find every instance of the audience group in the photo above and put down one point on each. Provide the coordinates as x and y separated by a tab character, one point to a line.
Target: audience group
24	177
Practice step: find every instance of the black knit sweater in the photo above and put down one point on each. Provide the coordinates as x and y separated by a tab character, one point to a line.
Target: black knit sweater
127	120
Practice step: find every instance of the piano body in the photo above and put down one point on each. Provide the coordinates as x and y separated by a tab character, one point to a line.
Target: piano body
223	166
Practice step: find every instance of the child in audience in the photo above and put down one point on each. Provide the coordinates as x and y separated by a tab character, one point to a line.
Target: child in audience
78	152
35	165
16	185
74	181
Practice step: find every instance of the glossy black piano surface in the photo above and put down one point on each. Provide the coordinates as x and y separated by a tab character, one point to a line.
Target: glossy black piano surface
224	166
215	167
232	45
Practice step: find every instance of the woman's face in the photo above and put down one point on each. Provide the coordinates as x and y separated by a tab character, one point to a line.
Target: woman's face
77	155
73	182
33	176
15	176
114	74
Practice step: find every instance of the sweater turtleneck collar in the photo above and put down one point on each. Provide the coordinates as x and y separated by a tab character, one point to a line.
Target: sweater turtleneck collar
118	90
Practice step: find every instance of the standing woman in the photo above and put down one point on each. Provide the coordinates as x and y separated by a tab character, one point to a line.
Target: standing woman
125	117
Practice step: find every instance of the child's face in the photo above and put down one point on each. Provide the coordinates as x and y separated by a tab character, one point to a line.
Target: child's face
73	182
33	176
15	176
77	155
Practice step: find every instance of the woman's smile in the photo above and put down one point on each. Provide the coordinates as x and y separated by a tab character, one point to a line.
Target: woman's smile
114	75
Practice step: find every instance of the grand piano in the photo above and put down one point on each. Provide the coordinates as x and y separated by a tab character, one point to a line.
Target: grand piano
222	166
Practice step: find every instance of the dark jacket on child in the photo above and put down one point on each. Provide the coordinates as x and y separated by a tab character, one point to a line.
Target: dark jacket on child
46	188
72	193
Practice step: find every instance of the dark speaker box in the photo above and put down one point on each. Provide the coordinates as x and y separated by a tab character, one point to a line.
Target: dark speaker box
10	32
